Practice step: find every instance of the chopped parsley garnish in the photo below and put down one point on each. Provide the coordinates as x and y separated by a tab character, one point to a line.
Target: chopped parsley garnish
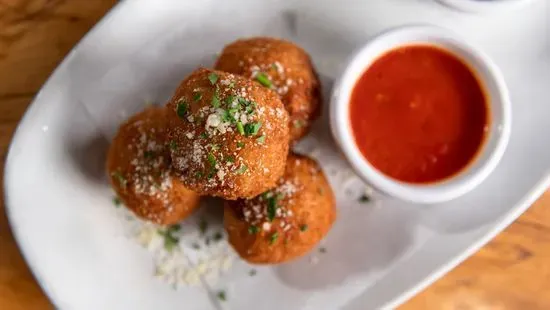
231	114
263	79
240	144
261	139
217	236
221	296
253	229
148	154
212	173
252	272
117	201
182	109
322	249
303	227
213	78
271	211
251	129
242	169
203	135
172	145
199	175
240	128
232	84
214	147
174	228
216	103
203	226
364	198
170	241
226	116
197	96
230	159
120	178
273	237
211	159
229	100
299	123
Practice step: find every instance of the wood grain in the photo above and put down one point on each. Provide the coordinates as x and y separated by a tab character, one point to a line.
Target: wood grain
511	272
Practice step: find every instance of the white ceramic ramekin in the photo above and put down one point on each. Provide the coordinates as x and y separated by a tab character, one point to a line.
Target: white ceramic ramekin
498	100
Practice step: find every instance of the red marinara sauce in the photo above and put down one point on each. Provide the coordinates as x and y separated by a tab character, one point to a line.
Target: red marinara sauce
419	114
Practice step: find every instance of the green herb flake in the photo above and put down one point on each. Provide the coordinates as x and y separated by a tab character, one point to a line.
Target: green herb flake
251	129
273	238
242	169
263	79
322	250
203	226
212	173
261	139
174	228
232	112
116	201
240	128
253	229
226	116
266	195
213	78
229	100
217	236
271	211
197	96
222	296
148	154
216	103
199	175
230	159
182	109
303	227
240	144
231	85
364	198
172	145
252	272
170	241
211	159
120	178
299	123
214	147
203	135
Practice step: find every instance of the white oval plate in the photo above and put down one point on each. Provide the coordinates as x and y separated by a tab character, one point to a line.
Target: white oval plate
379	254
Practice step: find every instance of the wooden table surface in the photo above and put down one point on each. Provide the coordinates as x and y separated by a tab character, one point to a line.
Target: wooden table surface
511	272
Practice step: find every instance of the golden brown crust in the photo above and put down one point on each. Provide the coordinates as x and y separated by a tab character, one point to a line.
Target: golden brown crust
139	169
290	70
286	222
230	135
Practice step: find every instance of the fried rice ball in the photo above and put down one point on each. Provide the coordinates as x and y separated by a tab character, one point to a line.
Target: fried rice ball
285	222
138	164
229	135
283	67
